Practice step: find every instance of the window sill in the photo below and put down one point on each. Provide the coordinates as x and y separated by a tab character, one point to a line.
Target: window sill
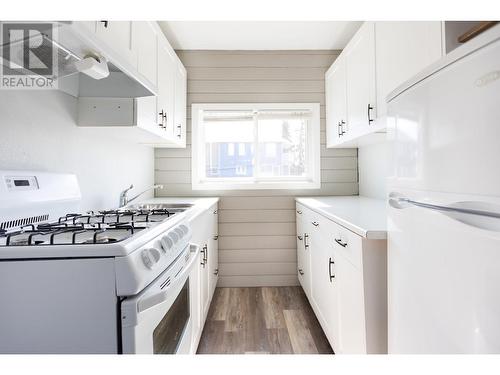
281	185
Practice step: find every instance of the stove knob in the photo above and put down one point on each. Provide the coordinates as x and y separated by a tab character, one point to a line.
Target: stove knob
179	232
184	228
174	237
150	257
166	244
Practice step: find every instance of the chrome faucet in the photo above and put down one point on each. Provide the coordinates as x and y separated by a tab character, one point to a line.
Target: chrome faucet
124	200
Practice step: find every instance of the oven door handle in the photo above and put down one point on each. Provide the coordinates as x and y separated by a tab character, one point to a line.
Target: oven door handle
160	297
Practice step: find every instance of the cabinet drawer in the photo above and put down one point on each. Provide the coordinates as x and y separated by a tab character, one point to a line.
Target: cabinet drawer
346	243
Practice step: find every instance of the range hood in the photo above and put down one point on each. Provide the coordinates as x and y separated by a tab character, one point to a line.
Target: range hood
81	65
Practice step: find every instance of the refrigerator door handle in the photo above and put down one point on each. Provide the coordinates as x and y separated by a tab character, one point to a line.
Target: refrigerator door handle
402	202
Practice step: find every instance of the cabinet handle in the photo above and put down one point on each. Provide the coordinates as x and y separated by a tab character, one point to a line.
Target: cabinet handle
342	123
216	238
370	120
204	252
300	238
299	212
301	272
216	272
339	129
105	24
162	119
315	223
306	245
215	212
330	263
339	241
180	131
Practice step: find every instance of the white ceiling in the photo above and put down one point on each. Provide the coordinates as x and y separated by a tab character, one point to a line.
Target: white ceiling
259	35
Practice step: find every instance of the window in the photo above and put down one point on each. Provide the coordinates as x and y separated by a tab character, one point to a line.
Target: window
255	146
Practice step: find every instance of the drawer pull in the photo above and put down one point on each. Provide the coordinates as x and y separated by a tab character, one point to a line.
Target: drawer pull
299	212
301	272
343	244
300	238
330	263
306	245
315	223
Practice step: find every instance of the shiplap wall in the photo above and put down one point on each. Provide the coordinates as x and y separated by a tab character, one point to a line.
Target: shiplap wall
257	243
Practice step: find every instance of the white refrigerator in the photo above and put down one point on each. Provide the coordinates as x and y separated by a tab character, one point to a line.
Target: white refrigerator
444	205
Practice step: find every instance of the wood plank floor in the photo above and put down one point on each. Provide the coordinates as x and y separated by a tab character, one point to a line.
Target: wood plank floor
277	320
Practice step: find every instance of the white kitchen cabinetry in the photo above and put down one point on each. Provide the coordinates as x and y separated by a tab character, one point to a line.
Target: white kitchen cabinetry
180	103
336	99
380	56
145	43
303	254
348	284
205	234
195	309
158	121
324	285
360	80
117	35
166	88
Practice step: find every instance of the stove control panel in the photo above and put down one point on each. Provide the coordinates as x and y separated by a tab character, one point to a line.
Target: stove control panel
140	267
166	247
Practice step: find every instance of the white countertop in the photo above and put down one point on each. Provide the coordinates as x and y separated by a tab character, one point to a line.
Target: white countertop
201	204
364	216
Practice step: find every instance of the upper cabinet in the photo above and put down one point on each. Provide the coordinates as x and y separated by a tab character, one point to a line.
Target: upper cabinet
360	79
145	43
380	57
118	36
180	103
336	99
156	120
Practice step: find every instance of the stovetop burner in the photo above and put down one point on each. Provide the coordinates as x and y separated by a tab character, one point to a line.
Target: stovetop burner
94	227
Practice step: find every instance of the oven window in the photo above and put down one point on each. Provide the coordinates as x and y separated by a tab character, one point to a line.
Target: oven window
168	334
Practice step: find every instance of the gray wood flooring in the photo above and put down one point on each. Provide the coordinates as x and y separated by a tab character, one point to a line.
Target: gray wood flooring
274	320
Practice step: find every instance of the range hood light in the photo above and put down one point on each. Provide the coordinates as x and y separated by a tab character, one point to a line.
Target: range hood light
94	67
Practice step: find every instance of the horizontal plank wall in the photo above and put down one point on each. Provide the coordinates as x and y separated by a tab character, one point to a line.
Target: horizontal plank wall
257	244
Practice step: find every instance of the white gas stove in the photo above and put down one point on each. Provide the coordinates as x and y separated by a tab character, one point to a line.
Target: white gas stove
98	261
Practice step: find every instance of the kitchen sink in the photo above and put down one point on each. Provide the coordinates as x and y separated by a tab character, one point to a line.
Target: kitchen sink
176	207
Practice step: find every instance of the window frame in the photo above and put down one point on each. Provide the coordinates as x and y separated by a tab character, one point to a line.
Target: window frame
311	181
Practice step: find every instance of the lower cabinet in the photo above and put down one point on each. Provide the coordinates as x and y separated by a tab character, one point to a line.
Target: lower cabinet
303	258
347	286
204	277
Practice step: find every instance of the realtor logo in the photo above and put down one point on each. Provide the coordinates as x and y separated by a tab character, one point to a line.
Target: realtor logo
28	56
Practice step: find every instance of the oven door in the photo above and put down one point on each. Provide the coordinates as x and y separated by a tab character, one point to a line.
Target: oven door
158	320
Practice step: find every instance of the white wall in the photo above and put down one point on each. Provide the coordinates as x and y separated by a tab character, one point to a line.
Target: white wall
38	132
373	168
257	234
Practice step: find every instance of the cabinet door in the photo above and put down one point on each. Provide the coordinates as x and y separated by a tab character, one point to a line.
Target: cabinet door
324	287
360	73
304	251
204	282
194	295
180	99
118	36
336	102
145	43
213	254
403	49
166	74
351	304
302	264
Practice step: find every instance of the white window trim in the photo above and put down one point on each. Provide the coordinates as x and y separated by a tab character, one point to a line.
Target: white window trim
285	183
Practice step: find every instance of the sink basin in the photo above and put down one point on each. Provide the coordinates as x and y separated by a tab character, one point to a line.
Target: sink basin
175	207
